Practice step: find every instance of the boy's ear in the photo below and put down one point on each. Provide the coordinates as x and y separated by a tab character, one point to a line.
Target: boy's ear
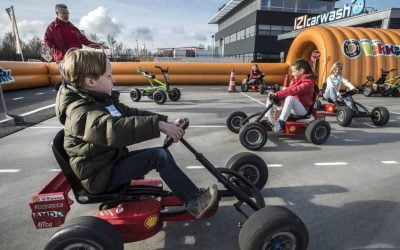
88	82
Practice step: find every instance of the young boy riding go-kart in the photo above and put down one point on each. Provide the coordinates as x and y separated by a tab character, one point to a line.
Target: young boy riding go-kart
138	210
345	112
380	86
254	81
158	91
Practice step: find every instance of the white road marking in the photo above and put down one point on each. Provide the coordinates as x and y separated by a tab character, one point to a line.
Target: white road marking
45	127
369	125
274	165
55	170
40	93
215	88
37	110
9	170
330	163
252	98
17	98
352	140
195	167
334	136
396	113
389	162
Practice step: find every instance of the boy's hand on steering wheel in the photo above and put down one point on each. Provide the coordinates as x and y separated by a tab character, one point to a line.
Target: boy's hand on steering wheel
171	130
271	95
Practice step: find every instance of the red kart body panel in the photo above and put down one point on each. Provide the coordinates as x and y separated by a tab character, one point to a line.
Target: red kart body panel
295	127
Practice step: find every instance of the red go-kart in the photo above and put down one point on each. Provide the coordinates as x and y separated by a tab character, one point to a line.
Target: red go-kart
253	129
138	211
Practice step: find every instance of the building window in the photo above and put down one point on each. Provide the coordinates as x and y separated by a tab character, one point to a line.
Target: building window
264	30
250	31
241	34
233	38
276	30
226	39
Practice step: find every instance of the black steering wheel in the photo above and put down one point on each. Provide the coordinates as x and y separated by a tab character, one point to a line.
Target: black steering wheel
348	93
184	125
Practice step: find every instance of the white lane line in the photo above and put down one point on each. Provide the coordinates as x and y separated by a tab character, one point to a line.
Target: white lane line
369	125
195	167
334	136
330	163
352	140
45	127
389	162
274	165
40	93
37	110
17	98
252	98
55	170
9	170
215	88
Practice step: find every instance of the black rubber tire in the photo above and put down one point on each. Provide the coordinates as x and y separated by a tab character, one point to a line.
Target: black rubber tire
135	95
395	92
269	226
380	116
386	93
318	131
344	116
174	94
261	88
159	97
251	166
367	91
253	136
233	122
88	230
244	87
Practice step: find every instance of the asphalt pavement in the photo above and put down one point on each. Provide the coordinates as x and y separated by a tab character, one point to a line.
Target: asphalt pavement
346	191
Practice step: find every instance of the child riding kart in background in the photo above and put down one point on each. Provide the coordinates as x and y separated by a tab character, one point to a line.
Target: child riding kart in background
334	83
98	129
256	75
297	98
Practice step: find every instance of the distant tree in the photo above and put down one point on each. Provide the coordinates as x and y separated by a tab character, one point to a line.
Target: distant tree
33	49
7	50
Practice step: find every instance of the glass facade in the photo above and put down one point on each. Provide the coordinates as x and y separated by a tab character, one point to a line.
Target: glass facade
305	6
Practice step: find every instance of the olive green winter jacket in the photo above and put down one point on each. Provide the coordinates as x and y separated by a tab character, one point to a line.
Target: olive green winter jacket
97	134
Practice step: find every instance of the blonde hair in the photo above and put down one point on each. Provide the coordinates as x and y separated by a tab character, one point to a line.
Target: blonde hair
79	64
336	65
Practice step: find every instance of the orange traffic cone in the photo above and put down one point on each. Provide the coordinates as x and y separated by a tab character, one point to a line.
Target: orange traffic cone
232	83
286	82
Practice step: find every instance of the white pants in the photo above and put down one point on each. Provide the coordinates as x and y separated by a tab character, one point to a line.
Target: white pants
332	93
290	106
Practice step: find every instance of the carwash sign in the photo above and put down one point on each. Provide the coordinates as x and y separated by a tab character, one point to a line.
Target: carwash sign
353	48
356	8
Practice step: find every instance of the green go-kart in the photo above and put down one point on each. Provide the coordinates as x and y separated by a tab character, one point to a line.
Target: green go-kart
158	90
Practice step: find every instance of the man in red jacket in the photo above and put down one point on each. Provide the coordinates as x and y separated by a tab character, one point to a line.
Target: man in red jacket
298	97
61	35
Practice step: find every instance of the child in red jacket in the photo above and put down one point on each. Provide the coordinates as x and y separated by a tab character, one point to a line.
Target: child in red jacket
297	98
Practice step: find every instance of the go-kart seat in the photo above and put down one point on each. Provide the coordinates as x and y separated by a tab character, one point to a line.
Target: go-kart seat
81	195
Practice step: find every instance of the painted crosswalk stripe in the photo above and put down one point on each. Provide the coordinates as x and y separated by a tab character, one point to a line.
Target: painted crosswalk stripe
9	170
330	163
389	162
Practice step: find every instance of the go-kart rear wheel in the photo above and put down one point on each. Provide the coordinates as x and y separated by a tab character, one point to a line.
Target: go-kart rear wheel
395	92
367	91
159	97
344	116
174	94
250	166
262	88
253	136
234	121
86	232
244	87
273	227
380	116
135	95
318	131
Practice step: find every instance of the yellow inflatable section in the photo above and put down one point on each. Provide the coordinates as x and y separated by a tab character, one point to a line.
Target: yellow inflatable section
363	51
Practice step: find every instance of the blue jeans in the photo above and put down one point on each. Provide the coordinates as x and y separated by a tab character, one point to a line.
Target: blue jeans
140	162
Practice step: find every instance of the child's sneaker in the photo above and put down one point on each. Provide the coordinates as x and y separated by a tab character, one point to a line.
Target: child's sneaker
203	202
278	126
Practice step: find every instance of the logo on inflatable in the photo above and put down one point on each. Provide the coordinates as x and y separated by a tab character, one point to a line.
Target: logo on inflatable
353	48
358	6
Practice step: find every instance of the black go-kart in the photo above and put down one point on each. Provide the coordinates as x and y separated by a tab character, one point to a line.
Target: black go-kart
139	210
257	85
344	114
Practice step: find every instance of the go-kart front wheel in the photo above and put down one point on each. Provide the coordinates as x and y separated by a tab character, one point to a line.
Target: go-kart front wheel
318	131
367	91
244	87
380	116
273	227
251	166
135	95
234	121
344	116
174	94
86	232
253	136
395	92
159	97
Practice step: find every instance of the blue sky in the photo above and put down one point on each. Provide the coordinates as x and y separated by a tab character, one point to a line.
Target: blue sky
156	23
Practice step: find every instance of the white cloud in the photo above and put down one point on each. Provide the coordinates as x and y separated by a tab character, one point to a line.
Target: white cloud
178	30
100	22
30	29
143	33
197	36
